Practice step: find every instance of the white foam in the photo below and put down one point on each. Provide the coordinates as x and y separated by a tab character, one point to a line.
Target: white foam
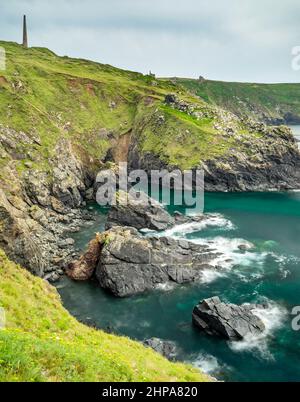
147	231
210	275
166	287
273	318
209	364
231	253
284	273
210	221
206	363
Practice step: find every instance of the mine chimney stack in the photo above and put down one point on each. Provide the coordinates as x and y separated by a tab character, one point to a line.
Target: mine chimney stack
25	36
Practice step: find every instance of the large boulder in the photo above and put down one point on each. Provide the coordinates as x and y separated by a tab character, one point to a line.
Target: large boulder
140	214
132	264
167	349
228	321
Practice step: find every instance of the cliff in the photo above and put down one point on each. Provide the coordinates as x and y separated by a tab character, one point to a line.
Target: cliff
271	103
62	120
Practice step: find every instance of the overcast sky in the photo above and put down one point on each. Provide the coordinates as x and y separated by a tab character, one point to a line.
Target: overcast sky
232	40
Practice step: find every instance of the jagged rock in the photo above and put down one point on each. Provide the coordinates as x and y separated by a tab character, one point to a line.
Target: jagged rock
132	264
171	98
66	243
167	349
37	188
57	205
38	215
267	159
34	236
52	277
68	175
89	194
83	269
176	103
228	321
140	214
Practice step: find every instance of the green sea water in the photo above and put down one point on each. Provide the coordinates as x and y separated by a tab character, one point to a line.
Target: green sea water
269	272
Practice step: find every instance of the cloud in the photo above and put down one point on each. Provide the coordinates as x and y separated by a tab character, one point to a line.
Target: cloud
247	40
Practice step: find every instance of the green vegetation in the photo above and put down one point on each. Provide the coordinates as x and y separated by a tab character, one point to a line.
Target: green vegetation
93	106
42	342
45	98
182	140
266	101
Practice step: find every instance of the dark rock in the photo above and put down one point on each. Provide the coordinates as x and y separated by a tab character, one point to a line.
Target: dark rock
228	321
140	214
132	264
66	243
52	278
89	194
171	98
270	161
165	348
245	247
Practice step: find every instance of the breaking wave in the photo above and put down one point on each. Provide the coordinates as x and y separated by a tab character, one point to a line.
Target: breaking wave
210	221
206	363
209	364
166	287
273	317
232	252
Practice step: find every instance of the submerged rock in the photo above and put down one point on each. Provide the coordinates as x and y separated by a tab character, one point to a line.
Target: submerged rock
140	214
132	264
167	349
228	321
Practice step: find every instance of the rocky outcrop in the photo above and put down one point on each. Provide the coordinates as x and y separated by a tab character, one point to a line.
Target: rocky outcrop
84	268
272	164
67	184
140	214
228	321
251	156
38	210
38	237
167	349
131	264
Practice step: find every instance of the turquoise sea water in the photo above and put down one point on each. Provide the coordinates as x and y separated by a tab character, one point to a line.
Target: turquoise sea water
270	271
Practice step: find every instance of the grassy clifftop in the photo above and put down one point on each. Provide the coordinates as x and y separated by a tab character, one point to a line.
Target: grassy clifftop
93	106
269	102
50	97
42	342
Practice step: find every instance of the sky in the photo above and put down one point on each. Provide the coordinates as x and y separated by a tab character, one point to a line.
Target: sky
230	40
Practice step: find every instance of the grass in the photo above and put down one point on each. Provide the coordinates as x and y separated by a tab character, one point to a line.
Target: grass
90	104
269	101
42	342
93	105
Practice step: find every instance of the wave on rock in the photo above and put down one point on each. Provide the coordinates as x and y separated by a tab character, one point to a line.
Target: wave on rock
210	365
210	221
273	317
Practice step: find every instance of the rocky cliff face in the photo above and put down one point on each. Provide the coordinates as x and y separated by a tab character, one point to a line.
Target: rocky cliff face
266	159
64	121
38	209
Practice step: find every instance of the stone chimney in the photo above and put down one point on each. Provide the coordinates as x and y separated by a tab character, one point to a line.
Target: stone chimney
25	37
